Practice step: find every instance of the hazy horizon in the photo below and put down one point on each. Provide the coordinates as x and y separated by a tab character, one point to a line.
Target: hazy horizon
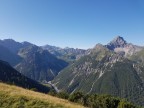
72	23
69	46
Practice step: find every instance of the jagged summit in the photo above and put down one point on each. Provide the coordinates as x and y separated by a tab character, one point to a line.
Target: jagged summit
119	45
117	42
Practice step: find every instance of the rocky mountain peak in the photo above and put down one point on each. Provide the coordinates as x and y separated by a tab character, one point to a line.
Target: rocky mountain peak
117	42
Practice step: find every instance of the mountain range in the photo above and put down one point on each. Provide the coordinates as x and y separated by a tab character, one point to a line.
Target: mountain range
67	54
116	68
39	64
31	60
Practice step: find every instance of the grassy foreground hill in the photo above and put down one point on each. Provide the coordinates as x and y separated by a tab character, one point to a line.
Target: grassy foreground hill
16	97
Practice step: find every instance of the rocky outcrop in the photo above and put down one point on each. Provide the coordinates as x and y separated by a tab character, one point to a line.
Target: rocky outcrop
119	45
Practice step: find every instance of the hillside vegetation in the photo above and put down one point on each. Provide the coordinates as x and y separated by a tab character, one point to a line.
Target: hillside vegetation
16	97
11	76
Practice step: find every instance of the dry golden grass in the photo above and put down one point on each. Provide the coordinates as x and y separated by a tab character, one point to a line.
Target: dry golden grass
17	91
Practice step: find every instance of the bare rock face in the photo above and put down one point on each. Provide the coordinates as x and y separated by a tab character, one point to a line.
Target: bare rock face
117	42
119	45
129	49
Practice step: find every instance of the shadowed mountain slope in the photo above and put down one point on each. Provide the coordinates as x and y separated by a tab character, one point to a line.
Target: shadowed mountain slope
39	64
11	76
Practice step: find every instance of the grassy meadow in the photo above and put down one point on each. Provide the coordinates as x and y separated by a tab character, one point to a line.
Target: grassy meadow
16	97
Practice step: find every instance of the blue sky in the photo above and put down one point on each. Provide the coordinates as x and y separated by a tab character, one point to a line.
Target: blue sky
72	23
